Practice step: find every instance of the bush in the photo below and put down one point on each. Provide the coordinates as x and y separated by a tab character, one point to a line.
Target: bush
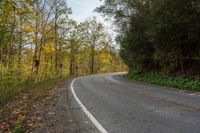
181	82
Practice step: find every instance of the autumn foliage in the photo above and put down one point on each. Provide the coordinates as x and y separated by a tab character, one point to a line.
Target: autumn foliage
39	42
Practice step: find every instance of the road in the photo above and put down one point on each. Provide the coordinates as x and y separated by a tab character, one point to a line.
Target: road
123	106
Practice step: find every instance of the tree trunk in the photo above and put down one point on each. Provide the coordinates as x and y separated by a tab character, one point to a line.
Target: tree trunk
56	38
35	66
20	48
10	48
72	63
92	60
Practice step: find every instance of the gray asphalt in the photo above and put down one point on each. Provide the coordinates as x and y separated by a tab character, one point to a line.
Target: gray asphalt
123	106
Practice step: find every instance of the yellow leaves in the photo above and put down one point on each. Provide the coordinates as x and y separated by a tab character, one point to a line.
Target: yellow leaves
104	56
48	47
51	113
27	28
20	10
20	118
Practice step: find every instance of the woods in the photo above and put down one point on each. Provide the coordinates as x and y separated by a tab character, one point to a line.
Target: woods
158	34
43	51
160	37
39	42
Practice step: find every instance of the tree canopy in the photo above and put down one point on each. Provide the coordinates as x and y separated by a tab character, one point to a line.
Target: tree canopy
157	35
38	41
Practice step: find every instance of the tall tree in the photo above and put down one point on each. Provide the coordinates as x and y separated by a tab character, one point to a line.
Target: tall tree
94	35
175	34
158	34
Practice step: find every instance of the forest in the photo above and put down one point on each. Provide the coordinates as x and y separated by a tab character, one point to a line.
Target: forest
42	50
40	43
159	42
159	39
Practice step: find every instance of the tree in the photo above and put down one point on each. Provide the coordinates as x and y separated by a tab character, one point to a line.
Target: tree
159	35
60	11
94	35
38	42
25	28
75	41
175	34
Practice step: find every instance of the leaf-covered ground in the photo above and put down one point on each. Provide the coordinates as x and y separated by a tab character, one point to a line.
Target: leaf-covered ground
44	109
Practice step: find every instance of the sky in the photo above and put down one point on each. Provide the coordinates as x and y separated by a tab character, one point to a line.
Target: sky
83	9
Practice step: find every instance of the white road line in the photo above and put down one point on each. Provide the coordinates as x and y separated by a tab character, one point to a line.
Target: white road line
90	116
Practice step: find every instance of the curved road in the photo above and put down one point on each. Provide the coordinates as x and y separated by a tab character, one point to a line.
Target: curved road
123	106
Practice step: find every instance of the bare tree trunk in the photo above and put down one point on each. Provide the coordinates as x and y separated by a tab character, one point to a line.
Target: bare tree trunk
60	59
1	53
4	51
20	48
72	63
56	37
35	66
10	48
92	60
71	66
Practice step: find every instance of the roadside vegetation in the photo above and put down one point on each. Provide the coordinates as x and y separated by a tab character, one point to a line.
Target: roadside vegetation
39	44
159	39
39	47
162	79
18	114
11	88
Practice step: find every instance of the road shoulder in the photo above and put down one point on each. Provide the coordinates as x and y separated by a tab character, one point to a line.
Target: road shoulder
40	110
84	123
57	114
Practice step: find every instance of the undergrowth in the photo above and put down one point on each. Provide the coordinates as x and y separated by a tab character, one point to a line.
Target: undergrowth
181	82
10	87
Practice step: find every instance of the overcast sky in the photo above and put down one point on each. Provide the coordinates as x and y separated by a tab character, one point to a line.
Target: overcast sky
83	9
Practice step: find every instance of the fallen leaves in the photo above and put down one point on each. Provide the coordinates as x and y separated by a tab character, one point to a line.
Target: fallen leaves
18	112
51	113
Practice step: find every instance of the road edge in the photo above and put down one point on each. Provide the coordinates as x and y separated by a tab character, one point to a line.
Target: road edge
84	109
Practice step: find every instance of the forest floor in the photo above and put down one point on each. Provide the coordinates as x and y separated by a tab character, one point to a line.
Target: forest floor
39	110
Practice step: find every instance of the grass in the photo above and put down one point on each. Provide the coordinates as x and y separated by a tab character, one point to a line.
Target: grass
10	87
16	114
17	129
180	82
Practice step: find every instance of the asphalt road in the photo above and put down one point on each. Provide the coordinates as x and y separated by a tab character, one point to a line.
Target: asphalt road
123	106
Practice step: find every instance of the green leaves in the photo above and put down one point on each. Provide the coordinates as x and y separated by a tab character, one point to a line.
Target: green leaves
181	82
2	36
162	35
17	129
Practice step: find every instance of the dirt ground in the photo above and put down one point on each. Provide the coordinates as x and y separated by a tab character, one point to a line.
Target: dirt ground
56	114
50	114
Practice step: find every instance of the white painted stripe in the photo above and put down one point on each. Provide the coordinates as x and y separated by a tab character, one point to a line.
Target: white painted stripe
90	116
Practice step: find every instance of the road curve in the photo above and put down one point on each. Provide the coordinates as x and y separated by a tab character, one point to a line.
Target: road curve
123	106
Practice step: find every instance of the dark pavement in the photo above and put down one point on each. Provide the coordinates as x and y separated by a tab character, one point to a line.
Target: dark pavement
123	106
